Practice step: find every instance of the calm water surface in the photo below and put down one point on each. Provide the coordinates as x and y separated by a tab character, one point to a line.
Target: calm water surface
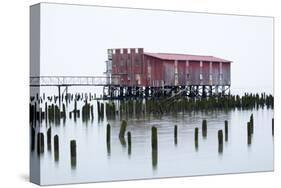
183	159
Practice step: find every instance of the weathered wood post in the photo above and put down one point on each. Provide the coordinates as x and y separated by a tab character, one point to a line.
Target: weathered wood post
154	146
40	143
249	133
204	128
73	153
32	135
220	141
129	143
56	147
49	142
176	134
122	132
108	139
196	138
226	130
272	126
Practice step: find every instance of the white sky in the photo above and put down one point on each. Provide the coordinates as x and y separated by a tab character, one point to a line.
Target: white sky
74	40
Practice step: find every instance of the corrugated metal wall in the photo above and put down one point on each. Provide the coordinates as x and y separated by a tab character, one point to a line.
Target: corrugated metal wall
137	69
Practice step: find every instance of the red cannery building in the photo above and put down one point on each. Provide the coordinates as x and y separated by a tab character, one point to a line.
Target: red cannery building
137	70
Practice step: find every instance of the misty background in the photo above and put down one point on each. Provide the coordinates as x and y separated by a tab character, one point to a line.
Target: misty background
75	39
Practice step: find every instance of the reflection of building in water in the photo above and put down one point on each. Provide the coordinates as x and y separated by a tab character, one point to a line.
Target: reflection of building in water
134	72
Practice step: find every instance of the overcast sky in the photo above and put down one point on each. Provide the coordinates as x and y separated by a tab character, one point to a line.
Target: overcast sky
74	40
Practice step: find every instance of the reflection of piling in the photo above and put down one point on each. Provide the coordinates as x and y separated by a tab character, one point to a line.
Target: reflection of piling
56	147
49	134
176	134
129	143
226	130
220	141
108	138
272	126
204	128
32	135
154	146
196	138
73	153
40	143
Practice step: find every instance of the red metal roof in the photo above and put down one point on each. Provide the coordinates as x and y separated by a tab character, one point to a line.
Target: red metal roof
185	57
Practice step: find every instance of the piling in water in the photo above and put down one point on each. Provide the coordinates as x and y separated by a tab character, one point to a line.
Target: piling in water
252	124
220	141
73	153
108	142
249	133
196	138
40	143
176	134
129	143
204	128
122	132
154	147
226	130
272	126
56	147
32	140
49	142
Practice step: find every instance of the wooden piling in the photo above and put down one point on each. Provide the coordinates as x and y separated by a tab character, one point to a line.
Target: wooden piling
249	133
196	131
40	143
154	147
176	135
108	138
204	128
73	153
56	147
49	142
32	135
252	123
272	126
226	130
220	141
122	133
122	129
129	143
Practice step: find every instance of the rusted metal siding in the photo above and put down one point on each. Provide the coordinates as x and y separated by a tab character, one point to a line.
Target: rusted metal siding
226	73
169	73
136	68
215	73
194	71
205	73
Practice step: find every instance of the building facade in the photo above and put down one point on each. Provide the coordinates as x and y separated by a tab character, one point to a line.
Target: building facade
134	69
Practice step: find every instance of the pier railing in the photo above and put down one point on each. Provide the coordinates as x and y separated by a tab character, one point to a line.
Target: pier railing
74	81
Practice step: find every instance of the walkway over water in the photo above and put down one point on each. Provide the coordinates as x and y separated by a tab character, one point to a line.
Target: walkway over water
73	81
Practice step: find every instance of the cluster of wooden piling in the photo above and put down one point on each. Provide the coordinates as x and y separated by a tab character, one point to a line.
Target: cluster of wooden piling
110	110
100	110
143	107
87	112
